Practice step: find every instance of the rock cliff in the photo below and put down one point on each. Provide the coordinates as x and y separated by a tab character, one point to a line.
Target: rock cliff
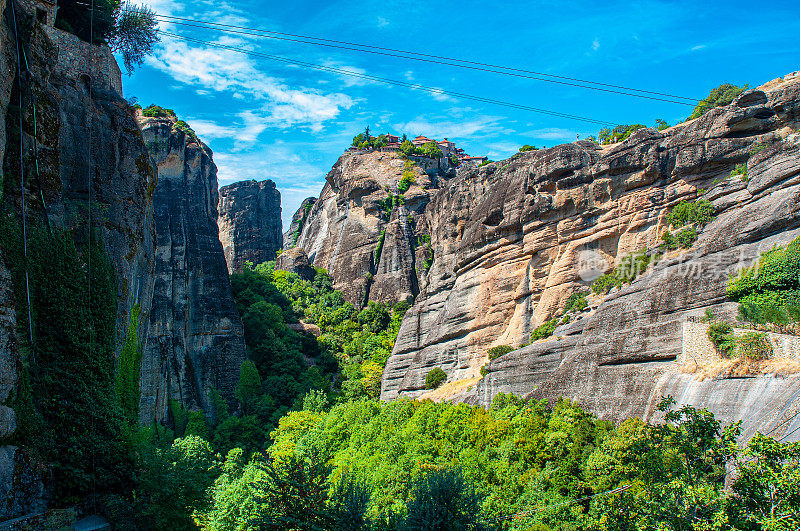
86	170
195	339
250	224
299	218
370	236
508	239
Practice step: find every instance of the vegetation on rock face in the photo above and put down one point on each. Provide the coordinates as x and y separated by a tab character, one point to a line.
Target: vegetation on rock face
499	350
626	272
435	378
699	213
618	133
768	292
67	408
527	147
576	302
720	96
544	330
721	336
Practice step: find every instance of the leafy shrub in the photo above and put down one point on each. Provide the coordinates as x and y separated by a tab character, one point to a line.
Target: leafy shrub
699	212
626	272
769	291
661	124
618	133
576	302
669	240
544	330
754	346
604	283
721	335
379	248
435	378
499	350
528	147
155	111
686	238
740	169
432	150
720	96
758	147
406	181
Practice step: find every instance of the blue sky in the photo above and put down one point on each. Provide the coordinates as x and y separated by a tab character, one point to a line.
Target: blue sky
266	119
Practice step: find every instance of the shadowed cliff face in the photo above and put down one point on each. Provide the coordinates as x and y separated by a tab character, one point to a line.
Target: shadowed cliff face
250	222
195	340
94	176
371	244
508	238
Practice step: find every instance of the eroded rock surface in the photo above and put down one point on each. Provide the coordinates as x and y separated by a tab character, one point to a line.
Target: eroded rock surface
299	218
373	245
250	222
195	340
509	238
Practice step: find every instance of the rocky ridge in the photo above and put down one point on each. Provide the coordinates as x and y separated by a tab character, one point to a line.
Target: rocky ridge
195	339
372	244
250	222
508	238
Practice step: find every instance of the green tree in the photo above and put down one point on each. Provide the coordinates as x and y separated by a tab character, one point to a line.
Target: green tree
443	500
720	96
435	378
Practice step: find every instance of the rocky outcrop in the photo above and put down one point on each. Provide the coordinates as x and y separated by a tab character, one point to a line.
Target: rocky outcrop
509	240
296	261
365	233
86	171
9	357
250	222
195	340
299	218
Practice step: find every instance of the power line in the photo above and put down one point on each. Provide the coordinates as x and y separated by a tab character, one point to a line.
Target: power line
437	59
414	86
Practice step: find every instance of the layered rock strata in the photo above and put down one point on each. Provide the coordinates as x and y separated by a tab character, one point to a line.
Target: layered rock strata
195	340
368	235
250	227
511	241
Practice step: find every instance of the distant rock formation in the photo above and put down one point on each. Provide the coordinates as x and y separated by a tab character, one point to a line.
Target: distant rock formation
508	239
250	224
371	237
291	236
195	341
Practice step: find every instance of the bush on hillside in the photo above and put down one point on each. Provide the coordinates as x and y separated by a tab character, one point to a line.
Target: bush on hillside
499	350
699	212
720	96
435	378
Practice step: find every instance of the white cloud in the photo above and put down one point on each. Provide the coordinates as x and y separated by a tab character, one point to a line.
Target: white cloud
224	70
551	133
243	136
382	22
595	44
477	127
349	81
698	47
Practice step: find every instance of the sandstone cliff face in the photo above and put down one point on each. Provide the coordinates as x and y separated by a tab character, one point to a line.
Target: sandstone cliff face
94	174
250	224
507	240
369	243
195	339
299	218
